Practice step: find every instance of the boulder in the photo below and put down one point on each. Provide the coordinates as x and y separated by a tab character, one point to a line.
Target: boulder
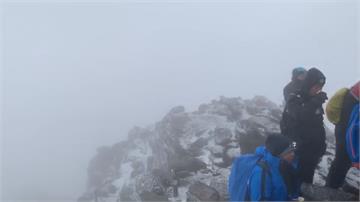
319	193
202	192
195	148
186	163
222	136
150	196
219	183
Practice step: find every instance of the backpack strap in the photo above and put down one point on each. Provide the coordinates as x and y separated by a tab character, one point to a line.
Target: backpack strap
265	170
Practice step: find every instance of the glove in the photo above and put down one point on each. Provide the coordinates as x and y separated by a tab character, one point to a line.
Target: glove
320	98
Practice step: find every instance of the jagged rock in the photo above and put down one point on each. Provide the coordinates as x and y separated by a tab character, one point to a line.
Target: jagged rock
190	164
103	166
233	152
319	193
183	174
149	183
86	197
249	141
202	192
176	119
222	136
189	148
165	176
177	109
260	105
217	150
220	183
137	132
138	167
229	155
196	147
150	196
203	108
128	193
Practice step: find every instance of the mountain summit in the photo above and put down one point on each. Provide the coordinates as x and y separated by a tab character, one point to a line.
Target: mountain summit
187	155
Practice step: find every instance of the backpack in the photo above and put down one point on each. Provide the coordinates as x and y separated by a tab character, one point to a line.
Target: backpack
352	137
334	106
240	173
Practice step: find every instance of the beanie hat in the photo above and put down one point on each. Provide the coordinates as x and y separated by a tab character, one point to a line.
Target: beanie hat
314	77
297	72
278	144
355	90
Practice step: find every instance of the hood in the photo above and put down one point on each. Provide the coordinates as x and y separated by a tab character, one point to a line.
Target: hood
268	157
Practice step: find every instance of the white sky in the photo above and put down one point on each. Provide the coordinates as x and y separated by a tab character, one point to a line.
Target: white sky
80	75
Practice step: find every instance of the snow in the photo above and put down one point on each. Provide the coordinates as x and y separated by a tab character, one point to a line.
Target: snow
125	171
203	126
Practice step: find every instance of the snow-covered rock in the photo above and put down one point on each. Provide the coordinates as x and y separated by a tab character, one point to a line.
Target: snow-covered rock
187	155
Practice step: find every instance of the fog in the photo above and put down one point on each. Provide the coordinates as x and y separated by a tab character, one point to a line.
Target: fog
77	76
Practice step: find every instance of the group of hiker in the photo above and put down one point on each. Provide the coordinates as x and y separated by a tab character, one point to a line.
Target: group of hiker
276	171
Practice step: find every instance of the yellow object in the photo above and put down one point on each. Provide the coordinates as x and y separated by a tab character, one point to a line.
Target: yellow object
334	106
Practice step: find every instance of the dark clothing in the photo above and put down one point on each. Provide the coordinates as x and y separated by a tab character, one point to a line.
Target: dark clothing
292	87
290	176
341	163
302	121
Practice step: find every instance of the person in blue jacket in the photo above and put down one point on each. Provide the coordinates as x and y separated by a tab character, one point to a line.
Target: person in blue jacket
275	179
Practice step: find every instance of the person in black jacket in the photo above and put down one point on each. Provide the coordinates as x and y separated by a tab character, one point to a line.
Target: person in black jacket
342	162
298	76
303	122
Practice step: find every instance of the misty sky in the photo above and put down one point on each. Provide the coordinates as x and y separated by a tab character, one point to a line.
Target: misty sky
80	75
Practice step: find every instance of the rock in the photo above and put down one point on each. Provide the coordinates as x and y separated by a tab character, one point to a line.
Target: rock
138	167
217	150
183	174
149	183
229	155
352	181
233	152
220	183
203	108
250	141
202	192
138	133
186	163
127	193
177	109
319	193
193	152
87	197
165	176
150	196
222	136
195	148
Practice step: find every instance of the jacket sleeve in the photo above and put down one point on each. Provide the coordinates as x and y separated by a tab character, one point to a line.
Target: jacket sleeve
286	93
302	111
255	186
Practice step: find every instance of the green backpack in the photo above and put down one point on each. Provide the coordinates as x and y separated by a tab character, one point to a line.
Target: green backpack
334	106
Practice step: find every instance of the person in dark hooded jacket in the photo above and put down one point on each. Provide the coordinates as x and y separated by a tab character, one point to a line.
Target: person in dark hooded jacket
303	122
298	76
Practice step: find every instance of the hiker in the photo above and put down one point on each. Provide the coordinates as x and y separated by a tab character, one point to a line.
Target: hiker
298	76
303	122
256	177
338	111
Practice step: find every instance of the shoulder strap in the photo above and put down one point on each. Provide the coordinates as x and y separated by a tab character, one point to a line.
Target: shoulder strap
265	170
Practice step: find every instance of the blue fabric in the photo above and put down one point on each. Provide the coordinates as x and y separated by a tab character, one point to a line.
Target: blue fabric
352	135
275	189
241	170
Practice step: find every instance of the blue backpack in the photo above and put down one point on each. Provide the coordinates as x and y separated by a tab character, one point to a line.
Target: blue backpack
240	173
352	137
